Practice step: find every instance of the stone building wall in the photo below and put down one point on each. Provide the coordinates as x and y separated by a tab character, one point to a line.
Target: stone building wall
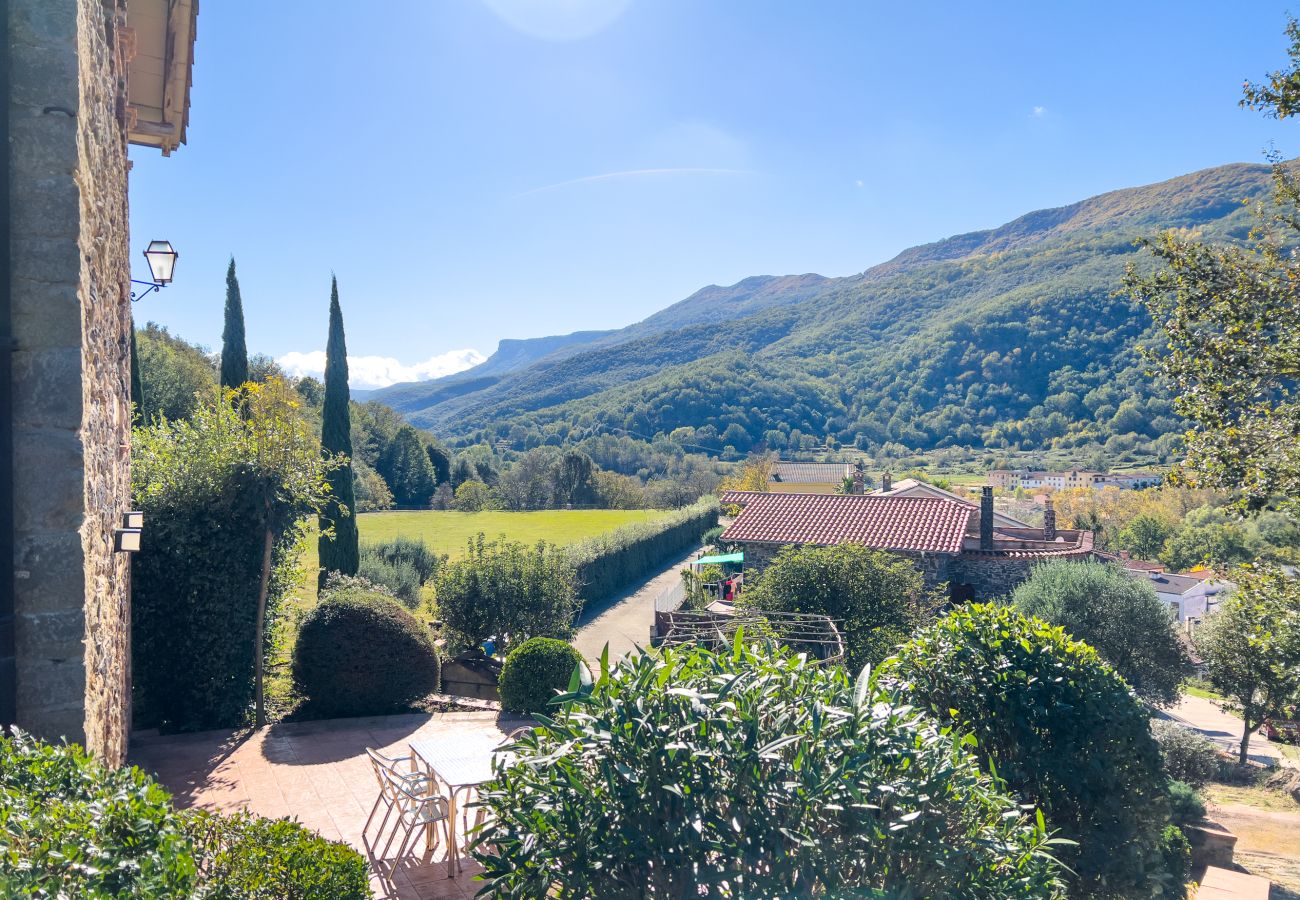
71	314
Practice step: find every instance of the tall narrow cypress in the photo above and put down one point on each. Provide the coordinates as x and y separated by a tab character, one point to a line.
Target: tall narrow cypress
137	386
234	350
339	554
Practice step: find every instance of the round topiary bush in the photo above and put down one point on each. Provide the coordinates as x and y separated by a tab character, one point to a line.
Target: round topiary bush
360	653
534	672
1061	727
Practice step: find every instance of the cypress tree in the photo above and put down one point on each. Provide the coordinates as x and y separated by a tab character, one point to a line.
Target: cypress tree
341	553
137	386
234	350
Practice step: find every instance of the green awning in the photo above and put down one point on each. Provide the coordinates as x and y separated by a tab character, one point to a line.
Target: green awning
719	560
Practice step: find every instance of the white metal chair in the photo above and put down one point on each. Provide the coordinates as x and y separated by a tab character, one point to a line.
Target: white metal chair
417	808
389	772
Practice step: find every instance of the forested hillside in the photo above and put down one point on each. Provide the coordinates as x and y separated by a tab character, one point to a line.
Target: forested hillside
1008	339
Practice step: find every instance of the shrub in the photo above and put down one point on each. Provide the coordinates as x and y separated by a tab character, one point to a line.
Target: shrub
210	488
710	537
611	561
507	591
70	828
1188	755
535	672
245	856
876	598
360	653
1185	803
1119	616
402	565
1176	852
1061	727
750	774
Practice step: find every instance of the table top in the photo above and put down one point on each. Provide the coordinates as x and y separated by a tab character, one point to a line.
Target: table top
462	761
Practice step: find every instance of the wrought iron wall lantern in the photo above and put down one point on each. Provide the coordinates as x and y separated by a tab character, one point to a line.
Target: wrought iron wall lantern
162	264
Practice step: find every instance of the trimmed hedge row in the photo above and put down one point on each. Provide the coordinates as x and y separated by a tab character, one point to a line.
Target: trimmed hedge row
610	561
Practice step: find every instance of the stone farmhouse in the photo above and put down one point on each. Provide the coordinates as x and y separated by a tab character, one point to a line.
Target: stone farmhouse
951	541
82	80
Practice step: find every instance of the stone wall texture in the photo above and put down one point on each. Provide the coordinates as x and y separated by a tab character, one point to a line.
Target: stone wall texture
71	319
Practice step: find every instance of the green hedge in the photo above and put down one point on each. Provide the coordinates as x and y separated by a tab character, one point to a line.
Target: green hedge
244	856
359	653
71	828
612	561
535	672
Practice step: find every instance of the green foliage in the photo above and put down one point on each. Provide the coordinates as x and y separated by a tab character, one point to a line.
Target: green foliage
402	565
1280	98
71	828
1061	727
137	385
1231	320
710	537
246	857
337	546
1176	851
210	487
1144	536
535	672
609	562
1119	616
1186	805
876	598
173	375
407	470
506	591
1188	755
750	774
369	489
359	653
1215	546
234	350
474	496
1251	648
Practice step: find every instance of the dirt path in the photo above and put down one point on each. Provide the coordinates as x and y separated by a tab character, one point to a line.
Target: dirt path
624	622
1268	843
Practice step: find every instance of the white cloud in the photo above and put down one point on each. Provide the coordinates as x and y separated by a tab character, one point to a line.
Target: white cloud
1038	112
381	371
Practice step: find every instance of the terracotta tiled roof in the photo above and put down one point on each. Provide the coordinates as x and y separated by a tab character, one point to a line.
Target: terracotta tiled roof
810	473
887	523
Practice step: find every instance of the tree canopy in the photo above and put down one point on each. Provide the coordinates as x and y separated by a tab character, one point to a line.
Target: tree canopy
234	349
337	546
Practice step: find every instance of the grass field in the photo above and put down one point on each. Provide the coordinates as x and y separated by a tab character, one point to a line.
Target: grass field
446	532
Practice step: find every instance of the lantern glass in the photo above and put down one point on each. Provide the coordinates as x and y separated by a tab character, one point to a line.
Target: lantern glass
162	261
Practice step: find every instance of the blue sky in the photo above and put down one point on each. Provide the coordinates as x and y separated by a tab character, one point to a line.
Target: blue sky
480	169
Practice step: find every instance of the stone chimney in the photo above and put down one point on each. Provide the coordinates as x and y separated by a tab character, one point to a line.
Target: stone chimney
886	483
986	518
859	479
1049	521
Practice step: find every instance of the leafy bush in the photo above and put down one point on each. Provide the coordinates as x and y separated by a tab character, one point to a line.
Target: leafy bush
1063	730
245	856
1119	616
70	828
360	653
507	591
402	565
535	672
750	774
1188	755
210	487
1185	803
611	561
710	537
1176	851
877	598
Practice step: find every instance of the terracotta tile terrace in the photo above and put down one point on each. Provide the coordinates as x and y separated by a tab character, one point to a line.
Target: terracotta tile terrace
317	772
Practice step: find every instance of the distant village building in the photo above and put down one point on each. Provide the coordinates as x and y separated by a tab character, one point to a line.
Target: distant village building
1030	479
951	541
86	77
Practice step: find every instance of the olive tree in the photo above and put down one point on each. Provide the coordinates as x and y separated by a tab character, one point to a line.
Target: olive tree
750	774
1119	616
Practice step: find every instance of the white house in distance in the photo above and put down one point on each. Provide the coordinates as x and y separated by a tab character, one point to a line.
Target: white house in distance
1189	597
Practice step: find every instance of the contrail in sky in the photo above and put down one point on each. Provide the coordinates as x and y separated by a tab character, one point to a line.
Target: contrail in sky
631	173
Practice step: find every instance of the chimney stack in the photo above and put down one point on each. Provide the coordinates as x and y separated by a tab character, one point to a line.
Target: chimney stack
1049	521
986	518
886	483
859	479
